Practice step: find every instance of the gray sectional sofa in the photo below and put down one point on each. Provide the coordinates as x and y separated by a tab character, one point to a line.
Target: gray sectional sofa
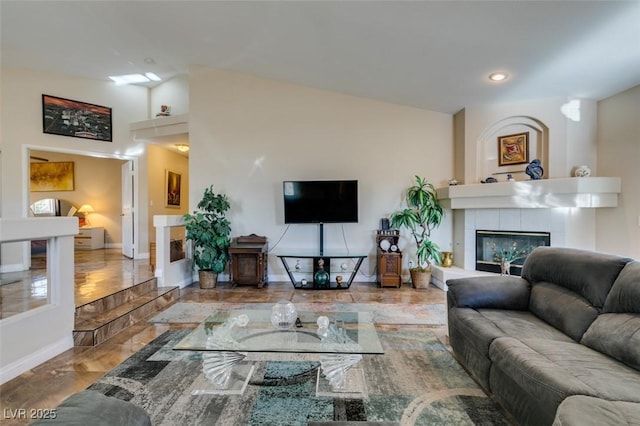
559	345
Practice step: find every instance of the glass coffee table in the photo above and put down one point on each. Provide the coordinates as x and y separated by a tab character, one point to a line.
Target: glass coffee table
226	338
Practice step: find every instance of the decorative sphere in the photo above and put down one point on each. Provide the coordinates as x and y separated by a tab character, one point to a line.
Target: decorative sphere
323	322
283	315
321	278
242	320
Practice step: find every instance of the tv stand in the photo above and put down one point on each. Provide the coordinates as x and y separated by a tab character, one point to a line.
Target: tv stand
340	269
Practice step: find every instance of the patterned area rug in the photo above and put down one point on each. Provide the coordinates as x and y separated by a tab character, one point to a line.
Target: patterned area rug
416	382
382	313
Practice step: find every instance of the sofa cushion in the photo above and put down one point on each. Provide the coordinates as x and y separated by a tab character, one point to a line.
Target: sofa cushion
588	411
617	331
482	326
562	308
617	335
472	331
625	293
588	274
553	370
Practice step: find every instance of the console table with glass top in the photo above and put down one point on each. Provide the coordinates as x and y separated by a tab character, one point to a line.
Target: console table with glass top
228	337
322	272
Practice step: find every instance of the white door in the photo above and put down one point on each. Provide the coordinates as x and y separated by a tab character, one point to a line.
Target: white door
127	208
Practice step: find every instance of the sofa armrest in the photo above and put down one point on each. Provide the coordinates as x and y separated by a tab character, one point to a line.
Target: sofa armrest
500	292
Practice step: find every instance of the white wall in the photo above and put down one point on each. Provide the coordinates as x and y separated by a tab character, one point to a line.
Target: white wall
570	143
174	92
163	159
618	229
248	134
21	115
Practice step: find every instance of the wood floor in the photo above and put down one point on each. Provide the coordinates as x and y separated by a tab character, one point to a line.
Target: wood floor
101	271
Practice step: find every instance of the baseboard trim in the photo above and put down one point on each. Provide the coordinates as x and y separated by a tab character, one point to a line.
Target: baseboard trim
26	363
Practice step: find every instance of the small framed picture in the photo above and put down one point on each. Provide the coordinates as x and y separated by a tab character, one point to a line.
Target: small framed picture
173	181
513	149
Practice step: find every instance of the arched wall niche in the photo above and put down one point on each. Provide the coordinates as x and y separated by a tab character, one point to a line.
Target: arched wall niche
487	147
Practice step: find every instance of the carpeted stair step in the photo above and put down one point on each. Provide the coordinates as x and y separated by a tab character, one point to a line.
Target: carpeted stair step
93	328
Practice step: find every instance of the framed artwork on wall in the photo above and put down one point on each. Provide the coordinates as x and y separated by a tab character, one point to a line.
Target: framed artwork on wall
77	119
173	182
513	149
51	176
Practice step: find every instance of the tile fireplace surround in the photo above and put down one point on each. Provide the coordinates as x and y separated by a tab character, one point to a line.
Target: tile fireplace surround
564	207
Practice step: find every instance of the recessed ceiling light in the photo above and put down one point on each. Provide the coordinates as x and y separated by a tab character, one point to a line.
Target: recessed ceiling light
182	147
498	76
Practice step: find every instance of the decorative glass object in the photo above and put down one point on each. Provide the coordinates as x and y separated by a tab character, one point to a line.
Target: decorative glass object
534	170
242	320
283	315
321	277
323	322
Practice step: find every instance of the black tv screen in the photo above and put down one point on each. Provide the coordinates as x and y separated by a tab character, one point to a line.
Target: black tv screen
320	201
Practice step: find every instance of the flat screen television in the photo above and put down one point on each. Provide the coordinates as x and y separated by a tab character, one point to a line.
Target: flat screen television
320	201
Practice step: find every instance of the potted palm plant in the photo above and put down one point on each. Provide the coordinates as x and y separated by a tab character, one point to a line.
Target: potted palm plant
208	230
422	214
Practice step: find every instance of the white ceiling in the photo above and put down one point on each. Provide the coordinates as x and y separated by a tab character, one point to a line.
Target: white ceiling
428	54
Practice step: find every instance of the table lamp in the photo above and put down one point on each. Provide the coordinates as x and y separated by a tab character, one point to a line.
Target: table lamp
85	209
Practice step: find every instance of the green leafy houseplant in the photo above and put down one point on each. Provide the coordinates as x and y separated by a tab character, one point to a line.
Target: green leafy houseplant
422	214
208	230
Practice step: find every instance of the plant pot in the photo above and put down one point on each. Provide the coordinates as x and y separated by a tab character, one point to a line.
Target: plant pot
420	278
208	278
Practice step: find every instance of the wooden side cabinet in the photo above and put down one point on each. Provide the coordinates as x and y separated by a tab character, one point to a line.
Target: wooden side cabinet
389	259
249	260
389	269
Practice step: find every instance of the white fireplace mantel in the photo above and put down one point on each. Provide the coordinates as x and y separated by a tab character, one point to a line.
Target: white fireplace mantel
588	192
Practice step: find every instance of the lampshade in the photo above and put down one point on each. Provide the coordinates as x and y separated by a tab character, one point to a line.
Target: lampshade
86	208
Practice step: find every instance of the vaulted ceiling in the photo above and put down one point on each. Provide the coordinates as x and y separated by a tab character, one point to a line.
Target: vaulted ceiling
429	54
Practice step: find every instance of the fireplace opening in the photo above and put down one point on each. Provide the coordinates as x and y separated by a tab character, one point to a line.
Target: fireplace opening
492	247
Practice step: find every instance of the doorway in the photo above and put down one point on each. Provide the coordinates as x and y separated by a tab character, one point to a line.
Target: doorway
97	184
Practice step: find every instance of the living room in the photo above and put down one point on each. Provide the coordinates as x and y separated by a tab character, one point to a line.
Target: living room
249	133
